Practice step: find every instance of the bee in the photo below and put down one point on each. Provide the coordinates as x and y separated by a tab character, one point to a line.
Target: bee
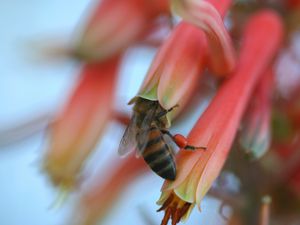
146	133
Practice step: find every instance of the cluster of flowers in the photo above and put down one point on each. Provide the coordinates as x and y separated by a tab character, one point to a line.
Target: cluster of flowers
248	97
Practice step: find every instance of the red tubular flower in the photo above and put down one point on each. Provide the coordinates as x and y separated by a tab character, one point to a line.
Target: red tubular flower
115	25
176	70
218	125
256	130
205	15
75	132
97	200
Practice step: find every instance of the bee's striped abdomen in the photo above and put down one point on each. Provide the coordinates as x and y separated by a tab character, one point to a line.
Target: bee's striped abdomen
158	154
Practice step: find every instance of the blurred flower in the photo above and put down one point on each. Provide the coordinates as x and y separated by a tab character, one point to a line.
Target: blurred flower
76	131
218	125
97	200
205	15
256	129
115	25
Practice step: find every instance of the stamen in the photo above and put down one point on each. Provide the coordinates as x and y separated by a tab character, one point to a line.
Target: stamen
166	217
175	208
176	217
166	203
184	209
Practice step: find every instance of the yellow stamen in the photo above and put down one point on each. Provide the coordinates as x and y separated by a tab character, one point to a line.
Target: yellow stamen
175	208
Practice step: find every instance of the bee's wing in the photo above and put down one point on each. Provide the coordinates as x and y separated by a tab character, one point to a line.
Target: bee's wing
144	132
128	142
143	137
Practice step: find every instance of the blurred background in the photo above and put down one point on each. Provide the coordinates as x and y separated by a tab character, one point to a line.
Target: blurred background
32	91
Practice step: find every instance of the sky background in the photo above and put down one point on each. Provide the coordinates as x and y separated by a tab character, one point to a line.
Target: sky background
31	89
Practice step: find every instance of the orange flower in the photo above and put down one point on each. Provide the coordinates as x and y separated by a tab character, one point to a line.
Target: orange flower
115	25
218	125
177	68
76	131
205	15
175	71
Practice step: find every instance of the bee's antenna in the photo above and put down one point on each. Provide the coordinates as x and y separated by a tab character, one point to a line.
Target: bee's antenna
170	109
167	111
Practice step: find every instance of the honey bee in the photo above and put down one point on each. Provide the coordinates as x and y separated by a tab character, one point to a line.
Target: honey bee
145	133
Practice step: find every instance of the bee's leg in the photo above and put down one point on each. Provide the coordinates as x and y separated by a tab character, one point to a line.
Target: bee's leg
181	141
191	147
164	131
166	112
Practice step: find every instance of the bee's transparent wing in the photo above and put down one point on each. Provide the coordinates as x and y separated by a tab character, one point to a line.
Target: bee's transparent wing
128	142
144	131
143	138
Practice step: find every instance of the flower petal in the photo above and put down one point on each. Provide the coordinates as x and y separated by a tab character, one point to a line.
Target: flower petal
76	131
204	15
182	66
256	130
256	54
218	125
114	26
176	69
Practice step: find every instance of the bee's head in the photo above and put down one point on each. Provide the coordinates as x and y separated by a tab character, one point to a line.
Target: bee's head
142	105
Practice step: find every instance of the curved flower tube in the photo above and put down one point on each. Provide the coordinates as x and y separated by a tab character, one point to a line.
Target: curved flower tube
205	15
76	131
176	70
115	25
256	130
218	125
